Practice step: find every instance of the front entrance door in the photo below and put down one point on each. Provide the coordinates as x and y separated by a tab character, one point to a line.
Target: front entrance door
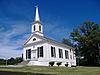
34	55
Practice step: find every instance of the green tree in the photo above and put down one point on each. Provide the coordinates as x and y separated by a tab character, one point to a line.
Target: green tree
18	60
87	38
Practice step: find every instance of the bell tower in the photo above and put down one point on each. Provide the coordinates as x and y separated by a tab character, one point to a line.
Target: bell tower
37	27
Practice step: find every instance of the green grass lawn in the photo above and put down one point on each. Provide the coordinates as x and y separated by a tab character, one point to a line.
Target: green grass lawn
57	70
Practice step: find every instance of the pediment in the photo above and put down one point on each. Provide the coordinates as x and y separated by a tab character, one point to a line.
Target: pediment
34	38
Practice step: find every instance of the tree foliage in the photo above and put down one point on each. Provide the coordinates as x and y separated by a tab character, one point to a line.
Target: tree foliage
87	37
11	61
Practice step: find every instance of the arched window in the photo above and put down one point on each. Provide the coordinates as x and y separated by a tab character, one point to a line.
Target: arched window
34	27
39	28
34	39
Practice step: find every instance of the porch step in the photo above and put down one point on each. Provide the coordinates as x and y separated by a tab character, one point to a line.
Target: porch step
24	63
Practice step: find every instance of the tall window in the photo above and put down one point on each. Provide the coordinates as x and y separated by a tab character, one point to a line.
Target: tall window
40	52
70	56
70	50
53	53
66	55
39	28
34	27
28	54
60	53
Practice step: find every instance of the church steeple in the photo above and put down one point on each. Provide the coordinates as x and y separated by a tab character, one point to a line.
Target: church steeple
37	17
37	27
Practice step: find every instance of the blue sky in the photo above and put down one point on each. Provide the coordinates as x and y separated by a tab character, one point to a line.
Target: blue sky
59	18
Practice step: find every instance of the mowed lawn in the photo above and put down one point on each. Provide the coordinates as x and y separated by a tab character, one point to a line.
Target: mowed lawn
57	70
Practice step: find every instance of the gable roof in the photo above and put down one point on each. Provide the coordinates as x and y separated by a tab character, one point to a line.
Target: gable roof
58	43
45	39
33	34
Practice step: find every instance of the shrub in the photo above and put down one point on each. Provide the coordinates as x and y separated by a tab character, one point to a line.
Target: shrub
66	64
51	63
58	63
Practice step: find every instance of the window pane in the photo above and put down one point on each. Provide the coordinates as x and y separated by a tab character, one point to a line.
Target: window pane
38	52
41	51
28	54
39	28
70	56
66	54
54	55
34	27
60	53
34	39
51	51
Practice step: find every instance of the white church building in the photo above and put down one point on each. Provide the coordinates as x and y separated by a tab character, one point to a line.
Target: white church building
40	50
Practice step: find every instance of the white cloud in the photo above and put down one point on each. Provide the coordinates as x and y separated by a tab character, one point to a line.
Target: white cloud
9	40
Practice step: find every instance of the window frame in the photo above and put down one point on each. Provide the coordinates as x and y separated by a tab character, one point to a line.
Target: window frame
40	52
66	54
34	27
39	28
34	39
28	54
53	51
60	53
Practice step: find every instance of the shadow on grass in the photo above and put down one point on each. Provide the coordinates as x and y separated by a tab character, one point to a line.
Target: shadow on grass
19	73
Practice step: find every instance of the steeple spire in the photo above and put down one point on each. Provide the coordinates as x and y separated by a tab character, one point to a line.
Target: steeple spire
37	18
37	27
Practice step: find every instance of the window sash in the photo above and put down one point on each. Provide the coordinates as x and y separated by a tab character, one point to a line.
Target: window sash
28	54
40	52
34	28
39	28
53	52
60	53
66	54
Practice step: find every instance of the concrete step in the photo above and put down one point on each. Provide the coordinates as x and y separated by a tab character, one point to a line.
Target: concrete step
24	63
